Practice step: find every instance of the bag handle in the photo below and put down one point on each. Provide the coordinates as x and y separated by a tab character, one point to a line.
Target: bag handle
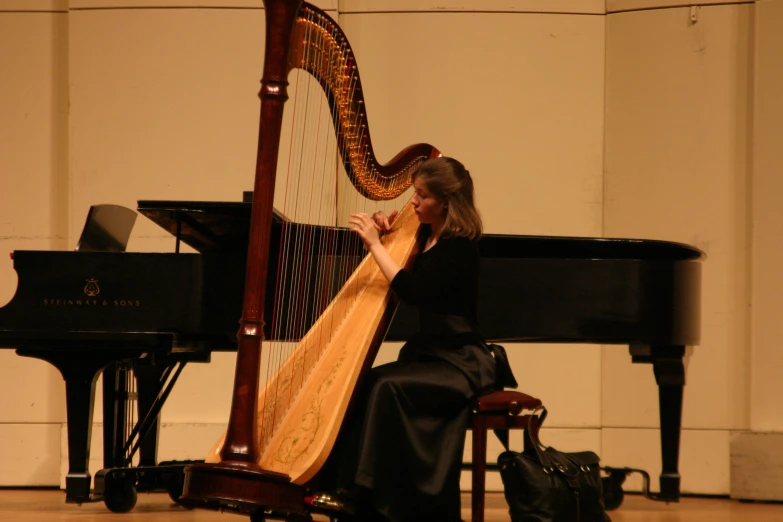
552	462
532	437
539	414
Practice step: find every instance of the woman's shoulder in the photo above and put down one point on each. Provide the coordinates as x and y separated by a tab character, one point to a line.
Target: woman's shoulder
460	240
460	244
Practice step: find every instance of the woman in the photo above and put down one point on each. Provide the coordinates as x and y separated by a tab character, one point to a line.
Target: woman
400	450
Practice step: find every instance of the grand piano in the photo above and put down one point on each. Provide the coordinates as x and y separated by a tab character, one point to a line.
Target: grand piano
93	312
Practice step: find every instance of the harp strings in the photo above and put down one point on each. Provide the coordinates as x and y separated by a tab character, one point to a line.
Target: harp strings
315	189
300	290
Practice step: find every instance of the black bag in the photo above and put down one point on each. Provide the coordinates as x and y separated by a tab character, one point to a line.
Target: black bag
546	485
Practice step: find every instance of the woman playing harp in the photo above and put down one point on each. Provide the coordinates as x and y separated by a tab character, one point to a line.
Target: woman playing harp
399	455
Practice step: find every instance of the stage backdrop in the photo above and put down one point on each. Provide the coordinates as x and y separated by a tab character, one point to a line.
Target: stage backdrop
626	118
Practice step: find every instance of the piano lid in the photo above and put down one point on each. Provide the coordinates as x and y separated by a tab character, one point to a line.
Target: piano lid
205	225
564	247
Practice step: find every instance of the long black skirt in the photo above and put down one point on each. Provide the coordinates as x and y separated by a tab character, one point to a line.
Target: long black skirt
403	439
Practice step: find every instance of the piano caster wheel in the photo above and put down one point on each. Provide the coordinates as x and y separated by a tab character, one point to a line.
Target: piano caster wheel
175	485
613	489
119	494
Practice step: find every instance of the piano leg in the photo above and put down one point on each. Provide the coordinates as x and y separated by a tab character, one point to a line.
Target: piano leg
115	407
80	370
149	379
670	376
118	403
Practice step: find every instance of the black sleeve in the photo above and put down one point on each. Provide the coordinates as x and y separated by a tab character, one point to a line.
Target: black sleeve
403	285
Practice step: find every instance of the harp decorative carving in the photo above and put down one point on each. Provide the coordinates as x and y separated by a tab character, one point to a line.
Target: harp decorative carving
278	437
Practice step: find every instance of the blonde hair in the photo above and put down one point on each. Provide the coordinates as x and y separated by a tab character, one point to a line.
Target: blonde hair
448	180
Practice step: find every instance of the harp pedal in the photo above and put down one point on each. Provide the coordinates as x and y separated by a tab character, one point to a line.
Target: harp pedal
330	503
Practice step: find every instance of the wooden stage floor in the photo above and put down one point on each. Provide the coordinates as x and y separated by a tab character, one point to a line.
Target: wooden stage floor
49	506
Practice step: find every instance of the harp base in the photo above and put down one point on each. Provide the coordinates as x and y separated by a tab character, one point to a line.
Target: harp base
245	489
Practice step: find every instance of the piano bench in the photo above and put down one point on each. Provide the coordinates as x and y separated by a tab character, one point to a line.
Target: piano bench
499	410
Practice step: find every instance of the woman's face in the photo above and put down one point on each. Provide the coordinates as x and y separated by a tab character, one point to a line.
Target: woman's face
429	209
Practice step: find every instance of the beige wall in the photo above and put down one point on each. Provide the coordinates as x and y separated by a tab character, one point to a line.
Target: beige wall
618	6
34	200
678	111
575	117
766	327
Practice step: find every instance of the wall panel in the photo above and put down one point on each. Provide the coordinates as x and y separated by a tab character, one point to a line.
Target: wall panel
678	101
34	203
499	6
767	216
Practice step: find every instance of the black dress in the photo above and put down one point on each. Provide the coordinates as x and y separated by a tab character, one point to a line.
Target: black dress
403	441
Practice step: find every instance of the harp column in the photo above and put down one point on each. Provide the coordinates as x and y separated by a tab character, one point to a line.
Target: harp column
241	437
238	483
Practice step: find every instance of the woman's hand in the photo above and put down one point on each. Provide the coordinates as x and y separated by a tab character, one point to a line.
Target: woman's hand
366	227
383	221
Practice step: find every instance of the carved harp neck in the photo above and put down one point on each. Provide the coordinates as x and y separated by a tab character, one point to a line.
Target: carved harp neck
320	47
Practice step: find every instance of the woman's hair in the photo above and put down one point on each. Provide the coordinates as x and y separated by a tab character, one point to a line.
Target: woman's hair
448	180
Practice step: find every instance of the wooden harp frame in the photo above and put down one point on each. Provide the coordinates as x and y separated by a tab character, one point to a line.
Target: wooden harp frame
238	483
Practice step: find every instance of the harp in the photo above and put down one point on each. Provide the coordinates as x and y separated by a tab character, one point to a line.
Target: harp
279	436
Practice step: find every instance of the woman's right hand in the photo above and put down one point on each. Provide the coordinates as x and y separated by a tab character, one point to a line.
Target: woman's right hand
383	221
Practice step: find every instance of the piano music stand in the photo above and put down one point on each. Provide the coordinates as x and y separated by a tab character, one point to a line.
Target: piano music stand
107	229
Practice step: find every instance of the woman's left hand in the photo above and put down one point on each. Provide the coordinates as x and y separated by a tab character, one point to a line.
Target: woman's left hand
364	225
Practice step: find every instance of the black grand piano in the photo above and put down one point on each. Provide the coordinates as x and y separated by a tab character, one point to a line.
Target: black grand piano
92	312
